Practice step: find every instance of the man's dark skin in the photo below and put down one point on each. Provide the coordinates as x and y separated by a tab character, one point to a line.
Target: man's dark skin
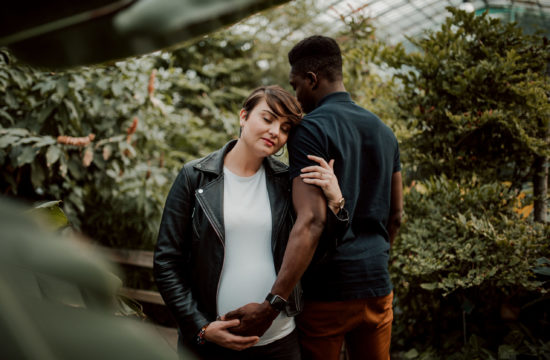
310	205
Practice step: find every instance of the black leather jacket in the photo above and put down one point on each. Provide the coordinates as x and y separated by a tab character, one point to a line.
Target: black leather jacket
189	253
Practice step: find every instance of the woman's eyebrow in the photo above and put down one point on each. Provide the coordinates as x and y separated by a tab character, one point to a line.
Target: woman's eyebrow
271	113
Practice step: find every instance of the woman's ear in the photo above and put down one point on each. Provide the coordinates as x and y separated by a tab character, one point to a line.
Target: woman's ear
312	77
242	117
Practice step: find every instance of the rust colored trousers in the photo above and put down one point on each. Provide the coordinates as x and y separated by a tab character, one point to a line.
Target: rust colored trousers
365	324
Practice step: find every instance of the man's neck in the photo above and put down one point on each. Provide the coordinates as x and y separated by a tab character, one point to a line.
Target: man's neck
325	88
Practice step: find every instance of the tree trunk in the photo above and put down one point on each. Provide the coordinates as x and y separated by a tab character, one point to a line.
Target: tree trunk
540	182
540	188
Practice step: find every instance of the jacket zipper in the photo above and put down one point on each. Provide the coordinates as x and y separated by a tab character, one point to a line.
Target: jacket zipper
208	216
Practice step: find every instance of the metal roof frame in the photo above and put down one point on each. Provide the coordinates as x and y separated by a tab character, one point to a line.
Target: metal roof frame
398	18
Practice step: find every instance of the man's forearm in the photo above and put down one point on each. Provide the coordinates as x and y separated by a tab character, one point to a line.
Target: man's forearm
301	246
311	210
393	226
396	207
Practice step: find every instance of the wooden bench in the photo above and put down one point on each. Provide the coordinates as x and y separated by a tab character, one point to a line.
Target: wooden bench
141	259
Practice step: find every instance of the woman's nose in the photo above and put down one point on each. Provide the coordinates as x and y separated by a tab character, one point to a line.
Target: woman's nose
274	129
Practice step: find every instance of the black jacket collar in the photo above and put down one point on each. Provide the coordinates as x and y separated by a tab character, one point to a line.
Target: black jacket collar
213	163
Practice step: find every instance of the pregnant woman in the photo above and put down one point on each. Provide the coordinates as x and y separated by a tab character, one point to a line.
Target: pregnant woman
224	232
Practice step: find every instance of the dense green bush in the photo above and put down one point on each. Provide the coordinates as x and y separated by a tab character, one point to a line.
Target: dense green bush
466	265
468	268
475	99
125	129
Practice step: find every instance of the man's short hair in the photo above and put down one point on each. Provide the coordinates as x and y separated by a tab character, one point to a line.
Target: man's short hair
319	54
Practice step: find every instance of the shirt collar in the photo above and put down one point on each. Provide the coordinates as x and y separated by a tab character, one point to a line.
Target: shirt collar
339	96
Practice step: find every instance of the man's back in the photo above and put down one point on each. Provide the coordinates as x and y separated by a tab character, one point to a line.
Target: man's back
366	156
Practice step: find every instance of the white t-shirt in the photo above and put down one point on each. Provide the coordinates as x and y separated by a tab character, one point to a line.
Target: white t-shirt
248	269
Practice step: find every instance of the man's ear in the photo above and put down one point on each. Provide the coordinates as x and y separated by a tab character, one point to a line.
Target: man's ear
312	77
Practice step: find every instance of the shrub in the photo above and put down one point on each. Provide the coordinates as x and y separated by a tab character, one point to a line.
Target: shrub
464	268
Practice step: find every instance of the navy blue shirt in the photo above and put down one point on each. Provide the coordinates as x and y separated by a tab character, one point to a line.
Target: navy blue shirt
366	155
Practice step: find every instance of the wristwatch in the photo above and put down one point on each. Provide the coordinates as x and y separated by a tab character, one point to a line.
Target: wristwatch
277	302
341	203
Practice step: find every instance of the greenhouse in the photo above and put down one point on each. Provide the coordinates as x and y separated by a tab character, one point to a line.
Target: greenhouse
158	200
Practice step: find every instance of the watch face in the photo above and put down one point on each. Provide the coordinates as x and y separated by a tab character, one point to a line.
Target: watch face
342	203
276	301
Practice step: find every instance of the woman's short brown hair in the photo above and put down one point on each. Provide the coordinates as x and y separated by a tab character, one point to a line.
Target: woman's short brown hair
280	101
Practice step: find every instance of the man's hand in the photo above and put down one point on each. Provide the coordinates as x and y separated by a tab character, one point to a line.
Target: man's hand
255	319
218	333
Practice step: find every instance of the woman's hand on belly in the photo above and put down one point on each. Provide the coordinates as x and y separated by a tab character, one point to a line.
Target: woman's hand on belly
218	333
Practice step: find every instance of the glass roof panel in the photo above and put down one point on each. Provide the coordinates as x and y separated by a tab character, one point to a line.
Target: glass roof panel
396	18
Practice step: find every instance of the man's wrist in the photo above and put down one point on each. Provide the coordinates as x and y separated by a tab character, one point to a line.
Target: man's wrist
276	302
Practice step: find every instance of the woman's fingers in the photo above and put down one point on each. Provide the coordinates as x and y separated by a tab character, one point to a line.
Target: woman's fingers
320	183
218	333
237	342
319	160
242	340
331	164
229	323
316	168
323	177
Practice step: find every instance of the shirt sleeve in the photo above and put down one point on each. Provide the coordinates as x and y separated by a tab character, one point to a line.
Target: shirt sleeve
303	141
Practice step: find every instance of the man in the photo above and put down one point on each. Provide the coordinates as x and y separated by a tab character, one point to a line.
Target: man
348	293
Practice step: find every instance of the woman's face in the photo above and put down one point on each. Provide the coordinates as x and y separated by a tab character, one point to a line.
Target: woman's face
263	131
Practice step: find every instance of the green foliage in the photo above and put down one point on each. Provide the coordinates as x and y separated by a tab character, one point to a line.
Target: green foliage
186	102
114	186
464	249
469	267
475	97
40	106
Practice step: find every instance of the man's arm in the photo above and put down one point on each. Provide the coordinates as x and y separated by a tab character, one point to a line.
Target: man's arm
311	210
396	206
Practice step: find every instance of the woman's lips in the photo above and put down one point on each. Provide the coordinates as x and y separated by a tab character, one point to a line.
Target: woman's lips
268	142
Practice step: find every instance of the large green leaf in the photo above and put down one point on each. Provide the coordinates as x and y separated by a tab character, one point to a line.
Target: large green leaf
52	215
7	116
8	140
75	33
58	295
52	154
26	156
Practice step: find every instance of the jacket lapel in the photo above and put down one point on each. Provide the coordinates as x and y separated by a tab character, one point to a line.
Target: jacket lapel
210	197
210	194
